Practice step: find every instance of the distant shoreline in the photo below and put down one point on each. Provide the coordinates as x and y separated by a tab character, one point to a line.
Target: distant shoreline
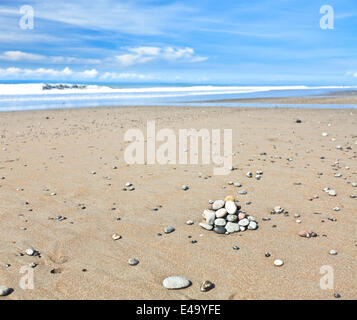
337	98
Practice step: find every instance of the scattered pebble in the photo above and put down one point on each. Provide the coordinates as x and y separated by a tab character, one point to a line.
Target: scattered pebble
30	252
133	261
206	286
169	230
5	291
278	262
116	236
278	209
176	283
332	193
333	252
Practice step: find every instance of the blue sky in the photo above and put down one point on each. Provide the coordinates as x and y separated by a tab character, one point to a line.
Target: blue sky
221	42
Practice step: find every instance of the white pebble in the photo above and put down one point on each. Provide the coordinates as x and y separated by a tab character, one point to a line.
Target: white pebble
278	262
30	252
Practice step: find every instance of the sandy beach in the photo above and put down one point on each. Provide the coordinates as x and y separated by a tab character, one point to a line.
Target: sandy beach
70	163
332	98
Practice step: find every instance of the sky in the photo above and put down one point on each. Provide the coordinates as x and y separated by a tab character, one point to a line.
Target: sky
250	42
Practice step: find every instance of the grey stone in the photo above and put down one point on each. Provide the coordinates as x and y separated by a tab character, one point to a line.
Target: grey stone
220	230
332	193
232	227
133	261
205	226
4	291
244	222
169	229
232	218
221	213
220	222
252	225
218	204
210	216
175	283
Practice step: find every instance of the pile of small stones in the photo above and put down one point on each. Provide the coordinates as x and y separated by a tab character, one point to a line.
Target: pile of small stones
225	217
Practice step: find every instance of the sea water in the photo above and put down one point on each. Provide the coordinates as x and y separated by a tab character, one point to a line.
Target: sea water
37	96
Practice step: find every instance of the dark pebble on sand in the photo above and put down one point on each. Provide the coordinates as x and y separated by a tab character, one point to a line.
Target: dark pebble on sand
169	230
220	230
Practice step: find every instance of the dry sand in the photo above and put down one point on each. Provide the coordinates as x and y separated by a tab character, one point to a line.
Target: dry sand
56	151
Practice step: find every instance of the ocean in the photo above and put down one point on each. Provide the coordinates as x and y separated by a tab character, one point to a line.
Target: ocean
42	96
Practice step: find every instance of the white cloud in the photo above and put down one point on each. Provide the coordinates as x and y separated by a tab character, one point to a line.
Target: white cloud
140	55
19	55
25	56
45	73
67	73
125	76
90	73
131	17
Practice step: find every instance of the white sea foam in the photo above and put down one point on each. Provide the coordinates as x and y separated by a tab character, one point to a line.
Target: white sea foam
37	89
36	95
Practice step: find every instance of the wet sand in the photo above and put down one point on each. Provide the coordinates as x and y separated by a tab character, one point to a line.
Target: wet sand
45	152
332	98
